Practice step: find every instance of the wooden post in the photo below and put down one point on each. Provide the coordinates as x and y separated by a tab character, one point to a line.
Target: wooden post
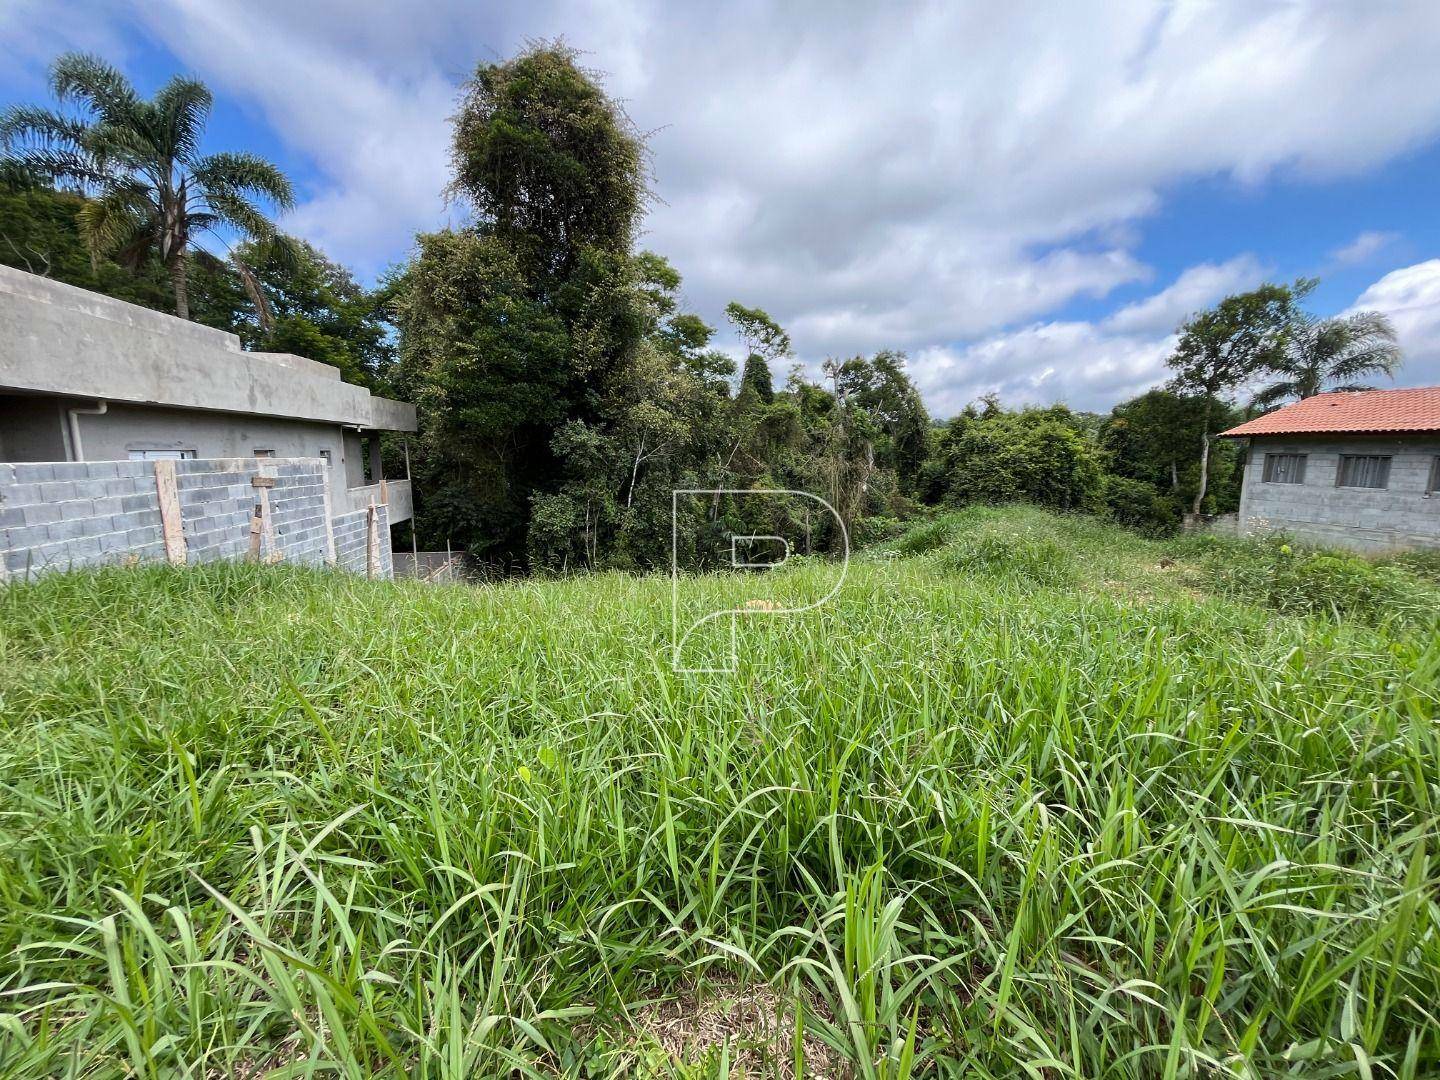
262	527
372	546
172	531
329	524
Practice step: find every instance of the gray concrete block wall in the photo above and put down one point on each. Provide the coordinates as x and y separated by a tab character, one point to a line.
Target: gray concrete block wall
1399	516
68	514
62	514
350	539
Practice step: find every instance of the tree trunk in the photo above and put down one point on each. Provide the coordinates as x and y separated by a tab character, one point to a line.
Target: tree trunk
1174	477
1204	460
178	279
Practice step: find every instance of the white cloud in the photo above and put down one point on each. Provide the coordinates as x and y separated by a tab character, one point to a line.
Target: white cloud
1411	297
1196	288
1363	248
915	178
1087	365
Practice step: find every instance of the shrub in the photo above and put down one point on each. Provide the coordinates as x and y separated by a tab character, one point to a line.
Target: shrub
1301	581
926	537
1137	505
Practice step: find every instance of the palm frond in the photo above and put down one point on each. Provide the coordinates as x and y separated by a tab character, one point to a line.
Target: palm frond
91	81
237	211
239	174
183	106
111	221
23	126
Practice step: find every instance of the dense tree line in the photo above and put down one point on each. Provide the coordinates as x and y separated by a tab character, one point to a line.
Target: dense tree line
563	391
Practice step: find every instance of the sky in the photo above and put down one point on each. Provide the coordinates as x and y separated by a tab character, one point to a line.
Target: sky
1025	198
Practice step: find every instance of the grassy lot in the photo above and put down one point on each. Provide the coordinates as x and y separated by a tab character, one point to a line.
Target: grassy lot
1029	797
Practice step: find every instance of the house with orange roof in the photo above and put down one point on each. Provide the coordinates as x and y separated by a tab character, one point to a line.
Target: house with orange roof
1358	469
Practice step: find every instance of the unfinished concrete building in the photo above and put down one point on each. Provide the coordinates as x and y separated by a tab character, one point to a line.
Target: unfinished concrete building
87	381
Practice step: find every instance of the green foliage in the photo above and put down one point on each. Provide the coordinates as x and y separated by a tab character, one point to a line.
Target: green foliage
1117	828
551	164
1036	455
1332	354
151	192
1013	551
1303	581
1137	505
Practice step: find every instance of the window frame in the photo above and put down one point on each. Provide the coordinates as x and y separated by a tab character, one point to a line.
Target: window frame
1270	468
1387	462
1432	486
160	453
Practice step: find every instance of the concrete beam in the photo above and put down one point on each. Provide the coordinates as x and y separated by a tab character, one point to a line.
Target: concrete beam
57	339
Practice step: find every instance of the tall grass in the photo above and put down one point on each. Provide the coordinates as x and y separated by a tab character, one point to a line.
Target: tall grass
260	819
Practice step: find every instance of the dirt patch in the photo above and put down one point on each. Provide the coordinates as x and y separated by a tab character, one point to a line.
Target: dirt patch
695	1023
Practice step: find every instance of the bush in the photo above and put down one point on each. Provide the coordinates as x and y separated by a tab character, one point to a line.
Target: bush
1137	505
995	549
925	538
877	529
1302	581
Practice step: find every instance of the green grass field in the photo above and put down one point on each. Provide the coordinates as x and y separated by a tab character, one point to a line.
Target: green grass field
1029	797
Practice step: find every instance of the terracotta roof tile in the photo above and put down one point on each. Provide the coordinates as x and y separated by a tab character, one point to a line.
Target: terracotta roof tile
1356	412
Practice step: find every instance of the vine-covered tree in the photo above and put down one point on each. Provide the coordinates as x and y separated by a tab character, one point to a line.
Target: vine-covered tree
149	187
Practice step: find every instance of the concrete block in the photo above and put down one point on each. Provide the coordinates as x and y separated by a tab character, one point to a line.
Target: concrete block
71	470
41	513
57	491
68	530
75	509
34	473
12	517
131	503
23	494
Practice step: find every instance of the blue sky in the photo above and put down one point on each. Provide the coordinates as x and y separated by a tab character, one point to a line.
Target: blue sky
1026	200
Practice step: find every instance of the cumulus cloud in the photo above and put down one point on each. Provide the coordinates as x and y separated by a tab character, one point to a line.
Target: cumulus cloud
1087	365
917	178
1411	297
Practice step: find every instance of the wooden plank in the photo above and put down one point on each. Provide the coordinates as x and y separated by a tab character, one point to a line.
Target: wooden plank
372	547
329	523
172	530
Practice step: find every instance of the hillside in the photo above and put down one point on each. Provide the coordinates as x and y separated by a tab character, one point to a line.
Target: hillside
1030	794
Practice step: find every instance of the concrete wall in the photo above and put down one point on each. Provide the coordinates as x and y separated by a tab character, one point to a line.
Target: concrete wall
351	538
1362	519
57	339
124	428
66	514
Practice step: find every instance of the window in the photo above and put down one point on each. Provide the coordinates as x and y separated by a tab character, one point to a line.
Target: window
326	455
1433	487
264	453
156	455
1284	468
1363	471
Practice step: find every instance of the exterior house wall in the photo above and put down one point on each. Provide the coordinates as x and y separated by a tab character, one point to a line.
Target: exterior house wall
125	428
1399	516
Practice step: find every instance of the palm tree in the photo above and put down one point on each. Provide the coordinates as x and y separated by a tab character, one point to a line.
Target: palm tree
150	189
1332	354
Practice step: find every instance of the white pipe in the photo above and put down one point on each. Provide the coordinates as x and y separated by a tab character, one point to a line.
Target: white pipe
100	409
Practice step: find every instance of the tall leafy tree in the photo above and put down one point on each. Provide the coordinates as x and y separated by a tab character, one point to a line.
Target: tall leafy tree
1224	348
551	164
1332	354
151	190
